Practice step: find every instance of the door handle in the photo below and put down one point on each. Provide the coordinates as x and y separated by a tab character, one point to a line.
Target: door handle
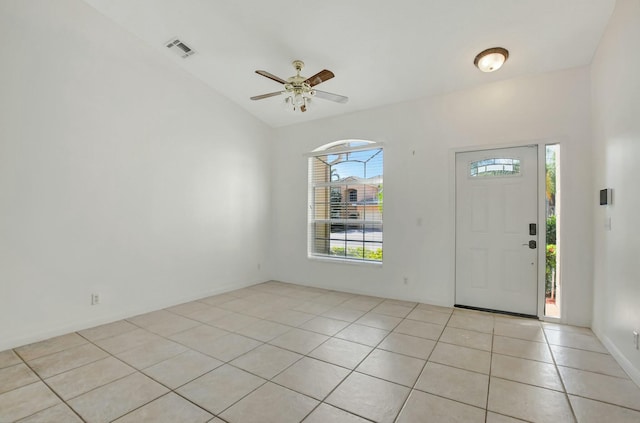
532	244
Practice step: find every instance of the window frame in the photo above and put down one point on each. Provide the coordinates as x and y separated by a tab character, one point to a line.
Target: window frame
365	225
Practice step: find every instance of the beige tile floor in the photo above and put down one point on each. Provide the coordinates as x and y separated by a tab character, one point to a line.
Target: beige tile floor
282	353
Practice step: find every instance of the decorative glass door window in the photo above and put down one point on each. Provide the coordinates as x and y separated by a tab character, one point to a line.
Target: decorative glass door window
494	167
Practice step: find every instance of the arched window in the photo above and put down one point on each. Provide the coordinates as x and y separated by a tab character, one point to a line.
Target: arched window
346	200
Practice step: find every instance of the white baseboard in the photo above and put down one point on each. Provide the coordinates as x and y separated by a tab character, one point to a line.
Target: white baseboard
627	366
68	327
371	293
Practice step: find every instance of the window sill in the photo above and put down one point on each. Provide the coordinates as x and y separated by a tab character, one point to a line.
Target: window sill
345	261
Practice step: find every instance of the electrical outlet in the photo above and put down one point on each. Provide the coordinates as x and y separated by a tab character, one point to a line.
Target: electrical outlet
636	339
95	299
406	280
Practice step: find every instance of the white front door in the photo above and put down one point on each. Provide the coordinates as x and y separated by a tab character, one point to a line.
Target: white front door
496	211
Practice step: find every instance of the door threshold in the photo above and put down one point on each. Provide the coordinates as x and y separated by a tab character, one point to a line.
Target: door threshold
490	310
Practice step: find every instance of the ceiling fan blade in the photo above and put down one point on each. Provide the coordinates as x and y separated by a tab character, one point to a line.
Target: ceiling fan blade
271	76
323	75
331	97
260	97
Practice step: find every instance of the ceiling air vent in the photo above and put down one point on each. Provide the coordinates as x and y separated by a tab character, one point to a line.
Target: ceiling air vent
180	48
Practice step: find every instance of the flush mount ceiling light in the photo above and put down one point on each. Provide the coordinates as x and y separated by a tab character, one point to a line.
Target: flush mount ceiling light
491	59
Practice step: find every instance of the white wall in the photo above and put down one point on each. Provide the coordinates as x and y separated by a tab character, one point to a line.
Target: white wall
418	214
616	126
119	174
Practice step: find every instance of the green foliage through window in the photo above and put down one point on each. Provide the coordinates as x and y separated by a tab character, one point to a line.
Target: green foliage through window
550	268
358	252
551	230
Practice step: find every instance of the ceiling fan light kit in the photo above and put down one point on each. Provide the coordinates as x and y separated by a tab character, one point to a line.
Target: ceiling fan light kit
298	90
491	59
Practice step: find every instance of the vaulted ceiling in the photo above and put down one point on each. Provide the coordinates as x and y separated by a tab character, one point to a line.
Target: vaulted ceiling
381	51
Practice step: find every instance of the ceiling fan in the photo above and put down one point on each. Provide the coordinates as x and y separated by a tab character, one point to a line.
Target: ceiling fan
298	90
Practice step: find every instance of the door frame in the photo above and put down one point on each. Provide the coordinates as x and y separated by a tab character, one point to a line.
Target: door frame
541	145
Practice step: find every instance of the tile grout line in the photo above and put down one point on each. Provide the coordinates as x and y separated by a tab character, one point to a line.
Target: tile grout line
154	380
521	358
307	356
50	389
555	365
266	380
607	403
486	406
109	354
136	370
212	370
88	342
558	366
218	415
595	373
229	363
489	375
351	371
409	335
404	404
530	384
